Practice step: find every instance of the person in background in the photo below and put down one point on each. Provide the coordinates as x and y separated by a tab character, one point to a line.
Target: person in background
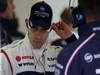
6	12
82	56
11	26
67	22
8	23
32	55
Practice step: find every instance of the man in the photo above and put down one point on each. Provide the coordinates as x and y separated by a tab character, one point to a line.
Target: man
6	13
82	57
67	22
32	55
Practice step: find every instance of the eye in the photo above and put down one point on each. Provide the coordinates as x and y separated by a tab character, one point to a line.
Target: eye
33	29
43	31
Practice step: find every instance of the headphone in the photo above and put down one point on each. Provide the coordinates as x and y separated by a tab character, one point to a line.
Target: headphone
3	5
77	16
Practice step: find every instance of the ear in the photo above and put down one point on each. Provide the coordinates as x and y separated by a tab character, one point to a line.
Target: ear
27	22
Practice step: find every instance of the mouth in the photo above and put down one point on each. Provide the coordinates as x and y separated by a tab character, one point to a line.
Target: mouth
37	41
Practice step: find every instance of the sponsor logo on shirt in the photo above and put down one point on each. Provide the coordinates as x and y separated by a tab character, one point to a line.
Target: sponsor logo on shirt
26	64
89	57
20	58
58	69
51	58
98	71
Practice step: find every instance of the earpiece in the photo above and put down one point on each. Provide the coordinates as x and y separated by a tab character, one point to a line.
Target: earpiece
3	5
78	17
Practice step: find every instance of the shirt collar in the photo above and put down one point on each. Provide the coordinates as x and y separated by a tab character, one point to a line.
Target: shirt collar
89	28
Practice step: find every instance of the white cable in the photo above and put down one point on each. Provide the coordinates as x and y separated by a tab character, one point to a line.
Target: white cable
39	61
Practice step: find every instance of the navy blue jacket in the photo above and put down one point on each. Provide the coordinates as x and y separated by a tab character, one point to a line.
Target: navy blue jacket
81	57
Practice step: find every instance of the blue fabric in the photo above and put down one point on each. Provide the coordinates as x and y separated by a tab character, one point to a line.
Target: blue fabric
87	60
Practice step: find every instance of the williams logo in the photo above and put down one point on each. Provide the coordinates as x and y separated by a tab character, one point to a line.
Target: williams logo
88	57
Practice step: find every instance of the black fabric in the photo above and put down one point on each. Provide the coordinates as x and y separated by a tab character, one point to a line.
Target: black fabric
10	25
35	73
71	39
63	43
3	5
8	30
4	37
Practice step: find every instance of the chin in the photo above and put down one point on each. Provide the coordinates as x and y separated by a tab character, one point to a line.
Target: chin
37	44
36	47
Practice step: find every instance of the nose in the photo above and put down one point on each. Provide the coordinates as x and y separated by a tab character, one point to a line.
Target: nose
38	34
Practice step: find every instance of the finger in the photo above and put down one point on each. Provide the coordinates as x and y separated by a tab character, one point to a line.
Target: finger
54	27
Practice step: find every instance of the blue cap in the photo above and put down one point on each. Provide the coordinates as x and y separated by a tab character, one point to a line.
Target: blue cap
41	15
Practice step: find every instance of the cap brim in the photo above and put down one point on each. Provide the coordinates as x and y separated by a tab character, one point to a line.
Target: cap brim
41	23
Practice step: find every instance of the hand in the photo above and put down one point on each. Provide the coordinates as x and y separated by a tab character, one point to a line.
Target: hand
62	29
